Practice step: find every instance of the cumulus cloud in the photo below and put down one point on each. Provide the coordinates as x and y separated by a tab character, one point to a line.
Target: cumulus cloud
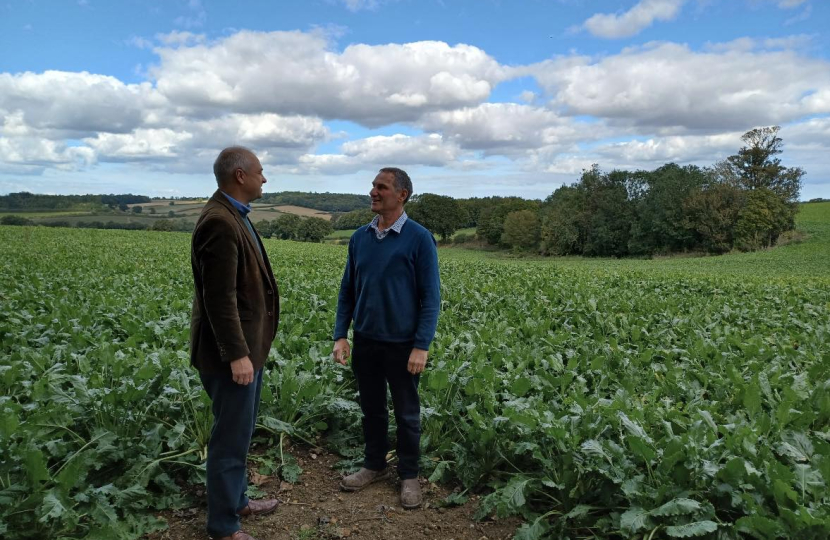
633	21
141	144
510	128
668	85
32	155
76	104
180	38
296	73
655	151
374	152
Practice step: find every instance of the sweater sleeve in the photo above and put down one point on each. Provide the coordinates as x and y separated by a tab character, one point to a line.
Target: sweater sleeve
345	300
428	284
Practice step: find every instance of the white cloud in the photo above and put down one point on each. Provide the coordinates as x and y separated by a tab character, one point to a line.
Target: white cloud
510	128
139	145
180	38
26	154
656	151
633	21
196	17
357	5
360	5
139	42
805	15
296	73
789	4
666	85
76	104
374	152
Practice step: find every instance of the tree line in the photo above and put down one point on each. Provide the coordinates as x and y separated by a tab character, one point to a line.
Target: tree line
294	227
327	202
31	202
743	202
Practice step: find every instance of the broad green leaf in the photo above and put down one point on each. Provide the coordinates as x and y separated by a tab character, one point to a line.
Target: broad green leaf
52	507
752	398
520	386
759	527
634	519
698	528
532	531
677	507
438	380
36	466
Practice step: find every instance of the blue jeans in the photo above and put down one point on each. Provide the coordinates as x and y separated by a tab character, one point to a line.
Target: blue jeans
376	363
234	409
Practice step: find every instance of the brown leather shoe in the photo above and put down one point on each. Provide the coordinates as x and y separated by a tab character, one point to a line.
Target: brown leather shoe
410	493
362	478
259	508
238	535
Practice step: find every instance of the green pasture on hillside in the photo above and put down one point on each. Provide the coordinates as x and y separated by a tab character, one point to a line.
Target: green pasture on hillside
605	399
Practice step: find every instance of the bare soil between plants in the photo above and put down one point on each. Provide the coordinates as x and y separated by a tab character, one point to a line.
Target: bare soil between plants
316	509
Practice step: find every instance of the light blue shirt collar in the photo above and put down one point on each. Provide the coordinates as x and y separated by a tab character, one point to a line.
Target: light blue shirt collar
244	209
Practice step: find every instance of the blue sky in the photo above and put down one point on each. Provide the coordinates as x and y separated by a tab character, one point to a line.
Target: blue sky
472	97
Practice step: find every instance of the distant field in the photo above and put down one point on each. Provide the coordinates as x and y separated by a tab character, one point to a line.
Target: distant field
166	202
305	212
471	231
346	233
187	210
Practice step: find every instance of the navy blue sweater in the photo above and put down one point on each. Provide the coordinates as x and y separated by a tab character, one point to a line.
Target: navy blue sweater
390	287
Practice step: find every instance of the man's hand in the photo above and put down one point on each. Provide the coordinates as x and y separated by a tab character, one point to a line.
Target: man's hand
341	351
417	361
243	371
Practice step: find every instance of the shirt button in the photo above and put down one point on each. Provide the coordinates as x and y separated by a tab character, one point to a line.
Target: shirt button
270	314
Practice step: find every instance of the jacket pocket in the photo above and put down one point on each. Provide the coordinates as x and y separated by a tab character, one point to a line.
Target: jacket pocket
246	315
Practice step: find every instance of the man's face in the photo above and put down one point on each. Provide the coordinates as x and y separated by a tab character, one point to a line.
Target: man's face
384	196
254	179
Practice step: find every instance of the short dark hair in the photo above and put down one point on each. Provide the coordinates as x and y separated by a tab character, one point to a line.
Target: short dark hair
402	180
230	159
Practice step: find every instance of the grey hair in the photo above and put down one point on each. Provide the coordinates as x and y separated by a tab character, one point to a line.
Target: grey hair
402	180
230	159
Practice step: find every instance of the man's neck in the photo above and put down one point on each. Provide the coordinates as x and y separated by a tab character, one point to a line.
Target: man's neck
387	219
237	195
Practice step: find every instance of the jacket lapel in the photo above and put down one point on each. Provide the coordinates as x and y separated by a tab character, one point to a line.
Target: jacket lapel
259	254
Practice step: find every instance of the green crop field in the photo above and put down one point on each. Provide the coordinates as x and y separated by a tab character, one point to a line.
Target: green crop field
606	399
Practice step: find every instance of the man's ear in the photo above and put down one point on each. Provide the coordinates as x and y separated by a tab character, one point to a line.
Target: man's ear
238	174
404	193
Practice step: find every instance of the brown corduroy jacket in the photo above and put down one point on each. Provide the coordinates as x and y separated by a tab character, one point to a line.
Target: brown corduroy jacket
236	301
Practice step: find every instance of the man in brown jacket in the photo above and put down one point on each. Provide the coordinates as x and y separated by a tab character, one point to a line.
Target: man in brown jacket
234	322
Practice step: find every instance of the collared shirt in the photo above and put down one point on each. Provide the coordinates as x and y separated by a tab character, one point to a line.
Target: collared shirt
244	210
397	226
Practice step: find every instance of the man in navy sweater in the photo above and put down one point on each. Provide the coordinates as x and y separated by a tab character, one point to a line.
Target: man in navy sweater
391	291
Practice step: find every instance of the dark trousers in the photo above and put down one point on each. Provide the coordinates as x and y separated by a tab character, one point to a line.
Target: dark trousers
375	364
235	409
